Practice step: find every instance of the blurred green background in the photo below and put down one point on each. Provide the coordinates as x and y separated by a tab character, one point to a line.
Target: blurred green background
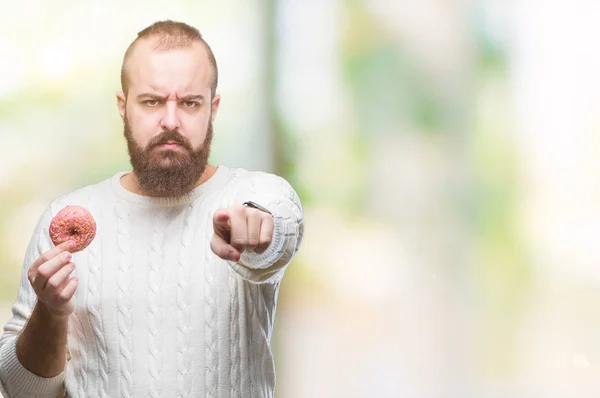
446	153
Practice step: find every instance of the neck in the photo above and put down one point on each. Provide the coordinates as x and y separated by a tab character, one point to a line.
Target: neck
130	182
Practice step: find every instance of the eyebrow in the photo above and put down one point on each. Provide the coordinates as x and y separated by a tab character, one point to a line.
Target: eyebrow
149	95
190	97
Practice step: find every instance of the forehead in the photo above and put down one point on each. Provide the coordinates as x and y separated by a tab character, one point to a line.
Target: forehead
181	70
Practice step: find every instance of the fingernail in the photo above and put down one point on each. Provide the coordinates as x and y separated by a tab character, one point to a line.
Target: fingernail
68	256
71	245
232	256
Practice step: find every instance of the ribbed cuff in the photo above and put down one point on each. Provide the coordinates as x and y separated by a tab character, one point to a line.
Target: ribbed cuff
275	250
21	382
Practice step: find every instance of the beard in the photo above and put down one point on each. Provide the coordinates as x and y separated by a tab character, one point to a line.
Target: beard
168	173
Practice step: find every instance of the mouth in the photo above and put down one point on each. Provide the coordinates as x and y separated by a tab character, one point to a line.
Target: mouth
170	145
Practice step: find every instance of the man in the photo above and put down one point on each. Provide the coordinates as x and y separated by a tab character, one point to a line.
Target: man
176	294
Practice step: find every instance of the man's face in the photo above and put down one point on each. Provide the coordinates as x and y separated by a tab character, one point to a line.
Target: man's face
168	117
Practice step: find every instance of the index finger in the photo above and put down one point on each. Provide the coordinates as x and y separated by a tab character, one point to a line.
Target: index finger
221	218
50	254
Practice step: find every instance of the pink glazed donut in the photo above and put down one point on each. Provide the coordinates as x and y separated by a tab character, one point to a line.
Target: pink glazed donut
73	223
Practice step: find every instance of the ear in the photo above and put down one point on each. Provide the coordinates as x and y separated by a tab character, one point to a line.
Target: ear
121	103
215	106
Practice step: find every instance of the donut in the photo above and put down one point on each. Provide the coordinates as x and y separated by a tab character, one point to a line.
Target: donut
73	223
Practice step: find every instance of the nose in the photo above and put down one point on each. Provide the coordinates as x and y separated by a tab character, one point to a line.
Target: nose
170	120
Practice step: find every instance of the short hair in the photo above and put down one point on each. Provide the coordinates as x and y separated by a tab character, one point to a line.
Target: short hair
171	35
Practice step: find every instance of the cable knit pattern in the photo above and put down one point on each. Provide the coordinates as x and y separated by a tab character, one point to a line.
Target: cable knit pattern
154	300
184	314
93	296
251	313
157	312
234	345
210	322
259	305
80	358
81	318
124	305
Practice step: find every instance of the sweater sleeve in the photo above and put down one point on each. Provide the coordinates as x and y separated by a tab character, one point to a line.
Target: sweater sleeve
15	380
277	195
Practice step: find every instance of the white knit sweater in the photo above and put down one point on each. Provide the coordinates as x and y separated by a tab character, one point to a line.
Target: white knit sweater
157	313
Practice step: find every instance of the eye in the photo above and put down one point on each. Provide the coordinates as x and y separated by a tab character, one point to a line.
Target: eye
152	102
191	104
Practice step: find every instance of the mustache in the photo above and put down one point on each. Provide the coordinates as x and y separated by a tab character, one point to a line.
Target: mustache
169	136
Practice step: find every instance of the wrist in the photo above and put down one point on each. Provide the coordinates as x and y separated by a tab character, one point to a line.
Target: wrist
50	317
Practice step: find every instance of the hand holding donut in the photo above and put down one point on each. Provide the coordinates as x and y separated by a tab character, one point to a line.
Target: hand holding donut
49	277
71	230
